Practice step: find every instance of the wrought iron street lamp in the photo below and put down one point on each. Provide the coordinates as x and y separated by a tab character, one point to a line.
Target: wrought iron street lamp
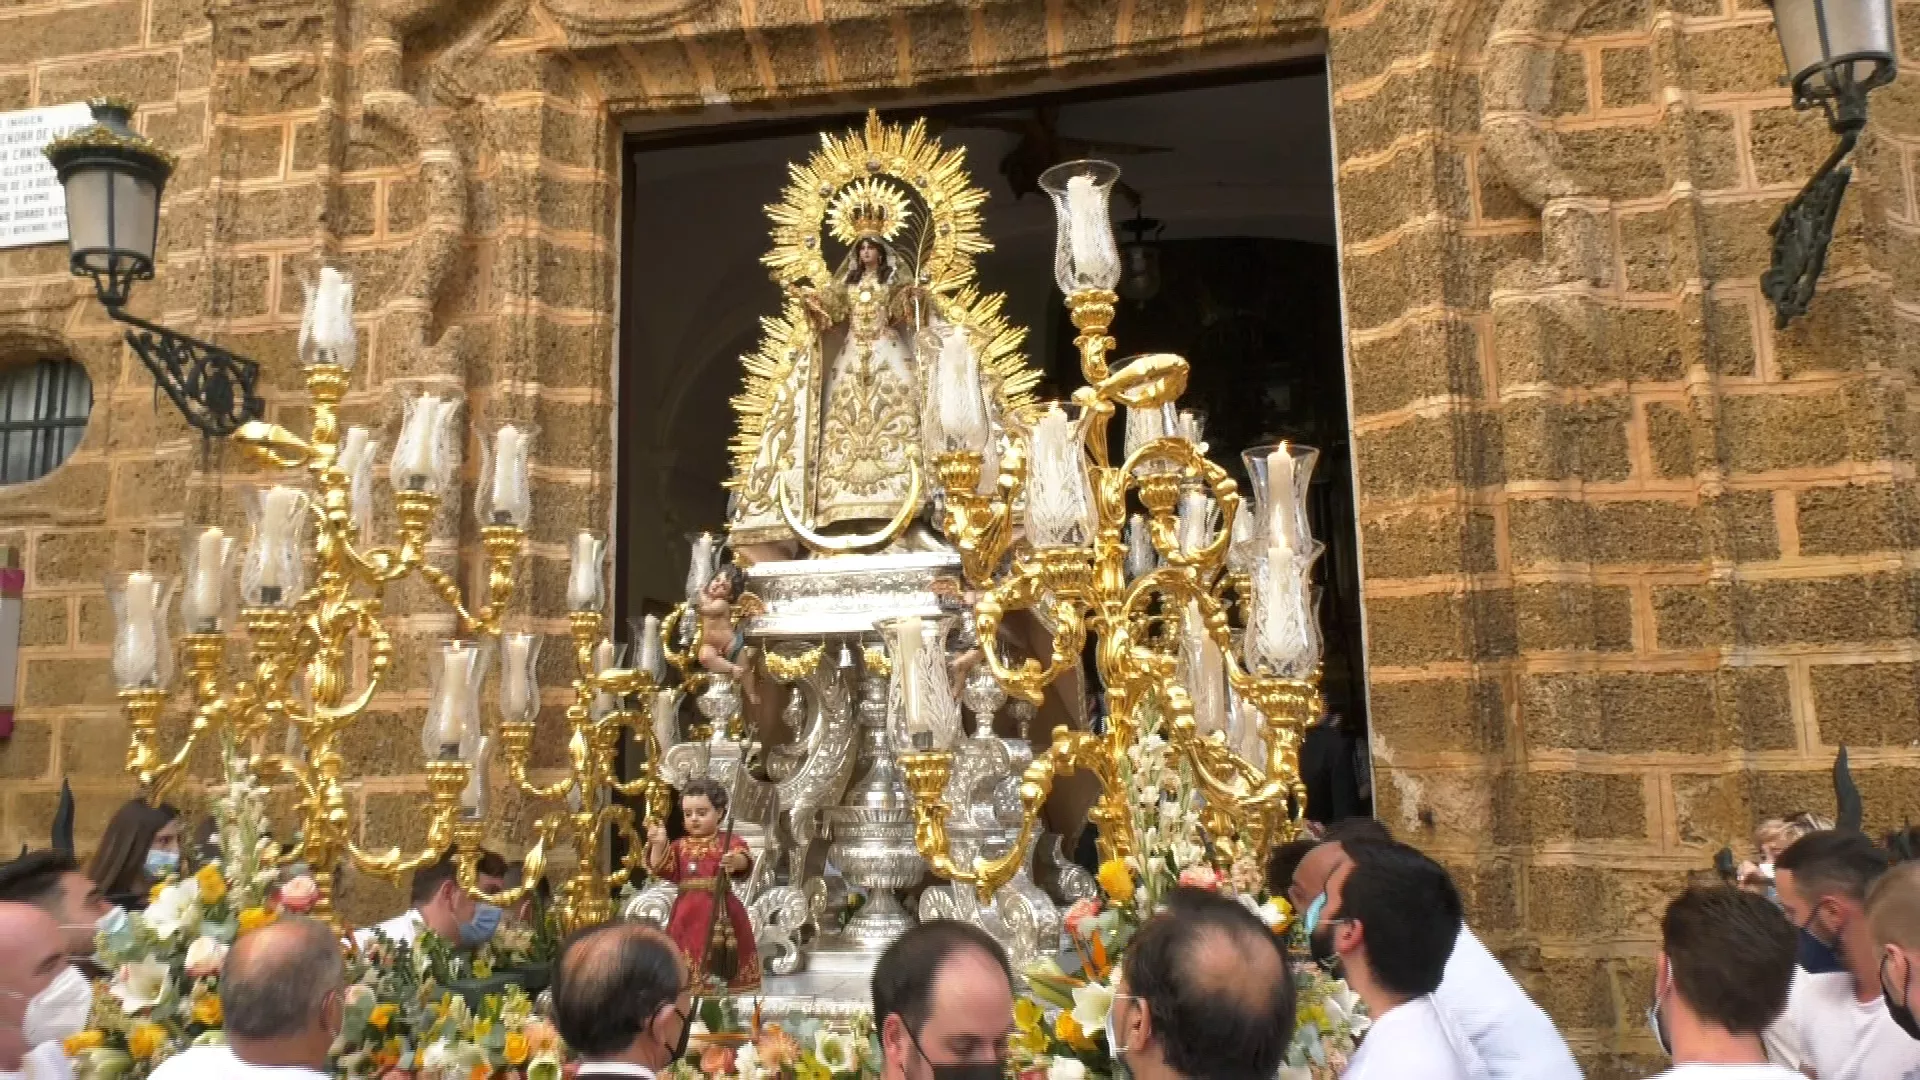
113	178
1837	51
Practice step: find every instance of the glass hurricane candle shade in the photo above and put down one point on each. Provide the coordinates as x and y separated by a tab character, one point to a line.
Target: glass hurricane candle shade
326	322
703	561
1281	476
273	570
142	649
923	711
607	655
960	407
1059	496
1283	635
1141	558
1145	426
586	588
504	495
452	726
209	576
427	453
519	677
358	451
1086	257
647	654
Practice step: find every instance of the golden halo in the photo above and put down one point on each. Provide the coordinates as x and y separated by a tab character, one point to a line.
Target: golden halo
870	207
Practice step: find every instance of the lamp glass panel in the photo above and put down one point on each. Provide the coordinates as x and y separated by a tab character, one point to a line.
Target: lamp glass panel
136	215
1860	28
87	226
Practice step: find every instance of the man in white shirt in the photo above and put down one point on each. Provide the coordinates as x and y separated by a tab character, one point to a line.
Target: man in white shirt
1391	917
1204	995
1836	1023
1726	960
1512	1035
30	958
438	903
1893	910
623	1000
943	1003
52	882
282	992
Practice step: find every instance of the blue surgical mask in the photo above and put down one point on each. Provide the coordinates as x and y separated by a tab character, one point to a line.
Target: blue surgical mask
1814	956
479	929
1312	918
160	864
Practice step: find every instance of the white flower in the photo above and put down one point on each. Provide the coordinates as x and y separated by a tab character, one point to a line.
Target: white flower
204	957
834	1051
746	1061
176	905
1271	914
1066	1068
435	1055
140	985
1091	1003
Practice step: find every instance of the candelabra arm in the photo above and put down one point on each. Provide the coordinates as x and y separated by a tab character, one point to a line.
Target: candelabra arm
273	445
466	860
1029	680
446	779
449	591
620	818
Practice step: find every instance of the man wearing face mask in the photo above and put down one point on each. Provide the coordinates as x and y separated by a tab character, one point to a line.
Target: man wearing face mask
1836	1026
1205	995
439	904
1893	910
1726	960
623	1000
1391	918
1513	1036
30	959
943	1000
52	882
283	992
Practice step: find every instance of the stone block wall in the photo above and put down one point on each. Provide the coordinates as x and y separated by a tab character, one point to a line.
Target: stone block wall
1635	560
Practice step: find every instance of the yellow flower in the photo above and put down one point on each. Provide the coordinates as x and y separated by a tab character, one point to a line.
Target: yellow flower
84	1041
1070	1031
212	886
145	1040
206	1010
515	1050
482	1028
153	894
254	918
1117	880
382	1015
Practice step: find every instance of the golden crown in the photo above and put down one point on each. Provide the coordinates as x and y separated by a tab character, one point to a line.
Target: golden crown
869	207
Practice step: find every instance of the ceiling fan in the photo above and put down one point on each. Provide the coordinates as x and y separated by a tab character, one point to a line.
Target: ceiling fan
1041	147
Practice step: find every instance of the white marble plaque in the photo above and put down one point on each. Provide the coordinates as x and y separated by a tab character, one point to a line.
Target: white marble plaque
33	210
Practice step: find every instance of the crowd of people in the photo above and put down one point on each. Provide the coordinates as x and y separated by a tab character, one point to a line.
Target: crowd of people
1806	966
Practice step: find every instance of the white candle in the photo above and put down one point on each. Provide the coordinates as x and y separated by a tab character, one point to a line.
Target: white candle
138	650
583	578
651	660
333	318
357	453
961	409
512	500
279	520
450	723
909	641
206	593
1280	507
1090	235
473	801
419	457
516	693
1059	500
1143	426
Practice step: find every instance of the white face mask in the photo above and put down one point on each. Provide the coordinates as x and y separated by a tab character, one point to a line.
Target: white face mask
61	1010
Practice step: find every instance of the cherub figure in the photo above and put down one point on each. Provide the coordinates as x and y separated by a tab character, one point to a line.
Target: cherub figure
723	649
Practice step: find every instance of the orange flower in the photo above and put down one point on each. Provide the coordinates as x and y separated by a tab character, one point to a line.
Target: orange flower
145	1040
717	1060
206	1010
482	1071
1070	1031
382	1015
84	1041
515	1049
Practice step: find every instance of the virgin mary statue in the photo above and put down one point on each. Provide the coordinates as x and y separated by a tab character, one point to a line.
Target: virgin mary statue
867	443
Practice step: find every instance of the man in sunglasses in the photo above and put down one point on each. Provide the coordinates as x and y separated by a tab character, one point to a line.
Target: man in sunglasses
943	1000
623	1000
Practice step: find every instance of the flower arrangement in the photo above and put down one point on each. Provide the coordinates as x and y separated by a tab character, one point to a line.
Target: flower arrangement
164	994
1060	1030
797	1048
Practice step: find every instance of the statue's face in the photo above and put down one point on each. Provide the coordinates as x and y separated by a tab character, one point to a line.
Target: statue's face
719	588
701	817
869	255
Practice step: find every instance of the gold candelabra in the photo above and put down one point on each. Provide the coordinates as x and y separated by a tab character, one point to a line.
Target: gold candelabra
302	643
1083	588
589	816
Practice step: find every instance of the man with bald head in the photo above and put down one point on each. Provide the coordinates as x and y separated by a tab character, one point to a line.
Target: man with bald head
282	991
1514	1037
623	1000
943	1000
1204	995
30	958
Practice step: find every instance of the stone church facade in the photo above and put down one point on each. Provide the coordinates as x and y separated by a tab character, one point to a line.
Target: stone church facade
1635	562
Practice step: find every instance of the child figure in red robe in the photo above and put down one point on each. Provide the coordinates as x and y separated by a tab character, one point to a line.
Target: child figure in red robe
693	862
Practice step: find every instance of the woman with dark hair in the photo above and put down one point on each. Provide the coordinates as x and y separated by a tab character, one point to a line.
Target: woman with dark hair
141	847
